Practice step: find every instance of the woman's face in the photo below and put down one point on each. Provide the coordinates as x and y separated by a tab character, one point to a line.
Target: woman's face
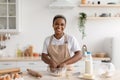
59	25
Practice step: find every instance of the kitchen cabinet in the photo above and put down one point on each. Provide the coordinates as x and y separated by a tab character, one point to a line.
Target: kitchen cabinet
80	66
23	63
41	66
9	17
111	11
38	64
34	65
8	64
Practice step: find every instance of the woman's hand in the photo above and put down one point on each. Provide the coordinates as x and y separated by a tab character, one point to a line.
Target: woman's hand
52	64
61	65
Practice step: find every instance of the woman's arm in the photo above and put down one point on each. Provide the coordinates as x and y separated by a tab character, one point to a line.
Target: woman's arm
47	60
77	56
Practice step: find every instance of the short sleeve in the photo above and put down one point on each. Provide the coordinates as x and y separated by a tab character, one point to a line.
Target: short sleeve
75	45
44	47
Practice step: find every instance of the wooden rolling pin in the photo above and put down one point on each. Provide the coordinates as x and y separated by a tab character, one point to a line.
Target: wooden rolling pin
11	70
34	73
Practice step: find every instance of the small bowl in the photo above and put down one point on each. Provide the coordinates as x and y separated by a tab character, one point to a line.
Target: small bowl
100	55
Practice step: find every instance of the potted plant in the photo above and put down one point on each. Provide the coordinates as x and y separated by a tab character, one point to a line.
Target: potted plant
82	21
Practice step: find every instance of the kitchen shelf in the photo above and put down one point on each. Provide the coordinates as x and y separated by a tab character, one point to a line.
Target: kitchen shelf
102	18
101	5
88	6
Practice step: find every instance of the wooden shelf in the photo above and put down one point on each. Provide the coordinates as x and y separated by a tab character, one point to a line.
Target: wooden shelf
96	5
103	18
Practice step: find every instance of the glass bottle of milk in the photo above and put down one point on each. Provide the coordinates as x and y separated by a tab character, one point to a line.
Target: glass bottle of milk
88	63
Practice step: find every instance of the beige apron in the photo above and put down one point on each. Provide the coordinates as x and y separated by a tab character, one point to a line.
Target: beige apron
59	53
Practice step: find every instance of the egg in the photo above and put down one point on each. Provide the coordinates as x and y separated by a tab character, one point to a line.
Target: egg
8	77
16	75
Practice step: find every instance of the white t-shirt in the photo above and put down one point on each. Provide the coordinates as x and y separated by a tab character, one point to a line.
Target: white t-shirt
73	44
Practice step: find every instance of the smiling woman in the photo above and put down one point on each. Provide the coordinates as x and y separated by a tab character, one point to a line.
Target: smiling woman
58	48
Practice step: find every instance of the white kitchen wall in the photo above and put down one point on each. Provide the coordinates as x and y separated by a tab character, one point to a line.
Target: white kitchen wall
36	24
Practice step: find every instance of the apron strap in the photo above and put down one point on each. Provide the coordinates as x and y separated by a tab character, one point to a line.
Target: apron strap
65	39
51	39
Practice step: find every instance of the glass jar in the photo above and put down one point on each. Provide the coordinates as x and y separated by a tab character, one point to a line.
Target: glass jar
106	69
83	1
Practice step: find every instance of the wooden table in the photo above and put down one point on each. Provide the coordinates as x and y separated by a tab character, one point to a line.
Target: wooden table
47	76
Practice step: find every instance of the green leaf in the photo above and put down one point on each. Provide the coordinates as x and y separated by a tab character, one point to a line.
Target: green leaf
82	21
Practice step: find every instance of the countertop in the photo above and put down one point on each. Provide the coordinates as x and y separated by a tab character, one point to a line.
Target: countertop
38	58
20	58
74	76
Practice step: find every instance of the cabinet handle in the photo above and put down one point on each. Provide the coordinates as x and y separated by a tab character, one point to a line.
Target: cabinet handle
76	65
6	64
31	63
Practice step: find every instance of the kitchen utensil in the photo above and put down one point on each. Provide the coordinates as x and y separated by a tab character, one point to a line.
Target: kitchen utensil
34	73
11	70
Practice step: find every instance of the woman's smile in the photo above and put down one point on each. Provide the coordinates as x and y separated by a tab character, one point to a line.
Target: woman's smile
59	26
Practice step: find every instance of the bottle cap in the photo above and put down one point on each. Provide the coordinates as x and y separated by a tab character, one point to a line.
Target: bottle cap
88	52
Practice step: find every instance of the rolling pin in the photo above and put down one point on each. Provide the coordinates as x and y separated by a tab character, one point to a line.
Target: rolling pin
34	73
12	70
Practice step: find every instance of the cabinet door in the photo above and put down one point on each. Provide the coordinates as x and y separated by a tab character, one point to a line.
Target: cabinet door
6	65
12	15
34	65
9	16
79	66
96	66
3	14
